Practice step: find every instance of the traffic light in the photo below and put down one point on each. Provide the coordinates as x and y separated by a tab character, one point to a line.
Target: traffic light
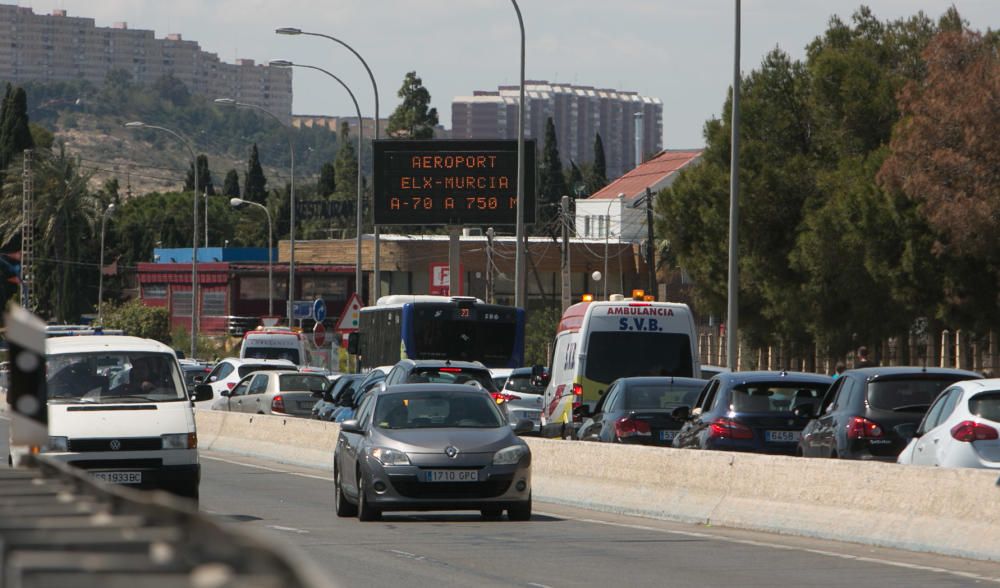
10	265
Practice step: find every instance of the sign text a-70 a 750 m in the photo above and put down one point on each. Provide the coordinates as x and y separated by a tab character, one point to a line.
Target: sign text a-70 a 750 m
451	182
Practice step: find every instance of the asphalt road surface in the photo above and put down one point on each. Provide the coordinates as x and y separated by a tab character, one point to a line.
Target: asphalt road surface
560	546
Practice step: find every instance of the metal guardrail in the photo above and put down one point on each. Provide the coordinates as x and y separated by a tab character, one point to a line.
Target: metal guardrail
60	527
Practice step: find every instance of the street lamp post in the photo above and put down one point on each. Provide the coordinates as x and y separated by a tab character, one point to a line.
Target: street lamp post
100	269
194	232
358	274
520	278
239	203
376	266
291	199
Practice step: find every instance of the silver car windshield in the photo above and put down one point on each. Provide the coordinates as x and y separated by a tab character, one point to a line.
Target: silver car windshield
114	377
437	410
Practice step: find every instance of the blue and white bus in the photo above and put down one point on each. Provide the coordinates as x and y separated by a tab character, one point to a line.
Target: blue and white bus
440	327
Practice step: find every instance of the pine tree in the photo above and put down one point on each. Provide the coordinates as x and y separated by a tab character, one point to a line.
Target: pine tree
255	184
552	183
327	184
346	166
413	119
598	177
204	177
15	134
231	186
574	180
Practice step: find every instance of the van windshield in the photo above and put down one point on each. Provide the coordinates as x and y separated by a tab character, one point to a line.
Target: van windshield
617	354
107	377
288	353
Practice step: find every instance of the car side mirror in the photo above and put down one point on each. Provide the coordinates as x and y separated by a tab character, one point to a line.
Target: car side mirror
203	392
352	343
524	426
226	393
804	411
352	426
907	431
681	413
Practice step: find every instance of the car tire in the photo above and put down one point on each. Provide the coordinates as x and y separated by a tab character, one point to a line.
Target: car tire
365	511
491	513
341	505
520	511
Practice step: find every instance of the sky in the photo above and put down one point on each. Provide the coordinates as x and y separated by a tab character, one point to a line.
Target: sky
678	51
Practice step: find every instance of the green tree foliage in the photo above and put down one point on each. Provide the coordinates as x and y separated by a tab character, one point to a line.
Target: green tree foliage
204	177
551	182
231	186
598	176
138	320
327	183
15	134
575	182
254	182
413	119
172	90
538	335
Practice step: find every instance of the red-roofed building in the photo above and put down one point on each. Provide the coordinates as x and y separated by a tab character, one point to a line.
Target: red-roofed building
620	206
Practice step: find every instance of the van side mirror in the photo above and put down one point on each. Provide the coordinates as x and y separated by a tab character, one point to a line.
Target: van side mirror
352	343
203	392
681	413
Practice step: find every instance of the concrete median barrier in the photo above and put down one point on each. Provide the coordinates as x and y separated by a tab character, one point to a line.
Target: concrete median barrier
947	511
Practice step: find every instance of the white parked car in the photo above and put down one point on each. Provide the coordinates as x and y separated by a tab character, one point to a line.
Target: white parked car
231	370
960	430
523	396
274	392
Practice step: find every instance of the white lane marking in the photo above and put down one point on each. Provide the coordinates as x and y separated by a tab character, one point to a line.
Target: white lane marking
407	554
754	543
539	585
288	529
267	469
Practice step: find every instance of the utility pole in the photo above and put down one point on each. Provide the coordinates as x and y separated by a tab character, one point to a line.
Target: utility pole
490	233
567	284
27	231
732	311
650	246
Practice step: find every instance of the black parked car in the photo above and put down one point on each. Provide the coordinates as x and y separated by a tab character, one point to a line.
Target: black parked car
750	411
338	391
640	410
859	414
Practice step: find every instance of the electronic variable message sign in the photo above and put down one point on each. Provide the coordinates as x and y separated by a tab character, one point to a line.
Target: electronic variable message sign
451	182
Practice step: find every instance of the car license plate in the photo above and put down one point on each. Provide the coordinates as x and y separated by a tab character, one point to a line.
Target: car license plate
525	414
119	477
451	476
667	435
783	436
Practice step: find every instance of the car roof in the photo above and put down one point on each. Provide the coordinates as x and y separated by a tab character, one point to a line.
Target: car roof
772	376
99	343
410	388
981	385
893	371
433	363
276	372
663	380
241	361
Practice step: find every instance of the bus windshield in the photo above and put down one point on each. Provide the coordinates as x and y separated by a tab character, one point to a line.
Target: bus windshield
617	354
443	338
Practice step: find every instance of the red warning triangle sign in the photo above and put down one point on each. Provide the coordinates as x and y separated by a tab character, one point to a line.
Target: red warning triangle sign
351	317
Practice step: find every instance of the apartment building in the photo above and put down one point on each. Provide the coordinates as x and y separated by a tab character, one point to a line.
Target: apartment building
57	47
579	113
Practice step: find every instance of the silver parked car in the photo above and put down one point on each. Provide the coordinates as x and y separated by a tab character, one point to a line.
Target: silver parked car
431	447
274	392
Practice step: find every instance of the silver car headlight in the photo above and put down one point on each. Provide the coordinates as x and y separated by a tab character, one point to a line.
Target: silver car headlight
390	457
510	455
180	441
57	444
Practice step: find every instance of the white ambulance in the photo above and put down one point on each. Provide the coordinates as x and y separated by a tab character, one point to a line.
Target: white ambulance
276	343
599	342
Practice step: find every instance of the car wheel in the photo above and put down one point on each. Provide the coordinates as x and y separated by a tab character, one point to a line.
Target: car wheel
342	506
365	510
491	513
520	512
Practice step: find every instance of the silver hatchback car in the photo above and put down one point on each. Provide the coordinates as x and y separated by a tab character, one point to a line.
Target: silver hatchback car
431	447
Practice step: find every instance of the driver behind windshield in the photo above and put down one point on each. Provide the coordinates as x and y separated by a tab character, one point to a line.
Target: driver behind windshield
143	378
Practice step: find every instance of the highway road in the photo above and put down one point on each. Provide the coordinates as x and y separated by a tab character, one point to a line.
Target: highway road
560	546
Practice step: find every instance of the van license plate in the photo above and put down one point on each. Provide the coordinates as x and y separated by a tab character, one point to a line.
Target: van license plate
119	477
451	476
783	436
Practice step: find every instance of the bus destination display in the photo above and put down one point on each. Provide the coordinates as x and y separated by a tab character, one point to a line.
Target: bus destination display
451	182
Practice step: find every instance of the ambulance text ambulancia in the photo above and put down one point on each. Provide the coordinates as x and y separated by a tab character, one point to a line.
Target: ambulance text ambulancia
599	342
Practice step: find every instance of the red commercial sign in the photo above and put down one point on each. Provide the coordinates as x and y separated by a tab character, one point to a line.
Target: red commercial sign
441	280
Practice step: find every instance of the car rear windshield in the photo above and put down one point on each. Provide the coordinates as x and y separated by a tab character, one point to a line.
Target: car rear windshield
522	383
255	352
986	405
245	370
775	397
302	383
447	375
655	397
620	354
437	410
906	395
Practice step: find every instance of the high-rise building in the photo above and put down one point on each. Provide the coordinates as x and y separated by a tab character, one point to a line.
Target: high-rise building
58	48
579	113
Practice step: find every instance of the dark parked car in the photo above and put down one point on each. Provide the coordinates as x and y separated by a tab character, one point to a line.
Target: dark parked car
431	447
640	410
349	407
338	391
751	411
857	418
409	371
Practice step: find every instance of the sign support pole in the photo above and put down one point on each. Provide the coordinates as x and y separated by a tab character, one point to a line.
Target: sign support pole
454	259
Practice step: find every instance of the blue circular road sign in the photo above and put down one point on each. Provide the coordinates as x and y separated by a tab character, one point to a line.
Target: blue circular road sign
319	310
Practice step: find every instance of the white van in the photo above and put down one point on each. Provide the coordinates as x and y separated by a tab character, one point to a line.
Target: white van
599	342
118	408
275	343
